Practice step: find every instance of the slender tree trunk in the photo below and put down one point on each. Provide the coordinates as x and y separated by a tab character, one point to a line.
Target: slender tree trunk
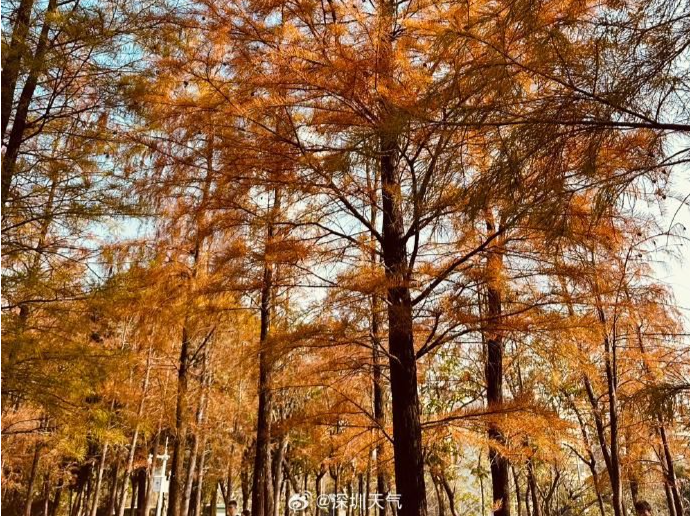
361	492
84	507
532	481
592	461
610	369
449	493
262	459
229	474
191	469
34	268
669	500
349	497
198	499
634	490
671	487
245	483
55	505
670	472
113	488
99	480
32	479
481	483
133	446
615	473
528	510
518	493
287	498
439	496
609	451
335	475
368	486
278	474
377	373
46	495
290	476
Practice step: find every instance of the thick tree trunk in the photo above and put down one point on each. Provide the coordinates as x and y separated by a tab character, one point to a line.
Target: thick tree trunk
133	500
317	486
142	479
177	468
261	500
13	57
83	478
499	465
263	432
16	138
407	430
214	498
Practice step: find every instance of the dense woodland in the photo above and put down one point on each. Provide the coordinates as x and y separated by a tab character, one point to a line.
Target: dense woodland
345	246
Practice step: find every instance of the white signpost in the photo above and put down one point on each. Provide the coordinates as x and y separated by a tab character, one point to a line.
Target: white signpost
161	482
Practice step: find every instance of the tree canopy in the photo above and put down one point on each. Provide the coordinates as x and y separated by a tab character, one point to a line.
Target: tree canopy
345	257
